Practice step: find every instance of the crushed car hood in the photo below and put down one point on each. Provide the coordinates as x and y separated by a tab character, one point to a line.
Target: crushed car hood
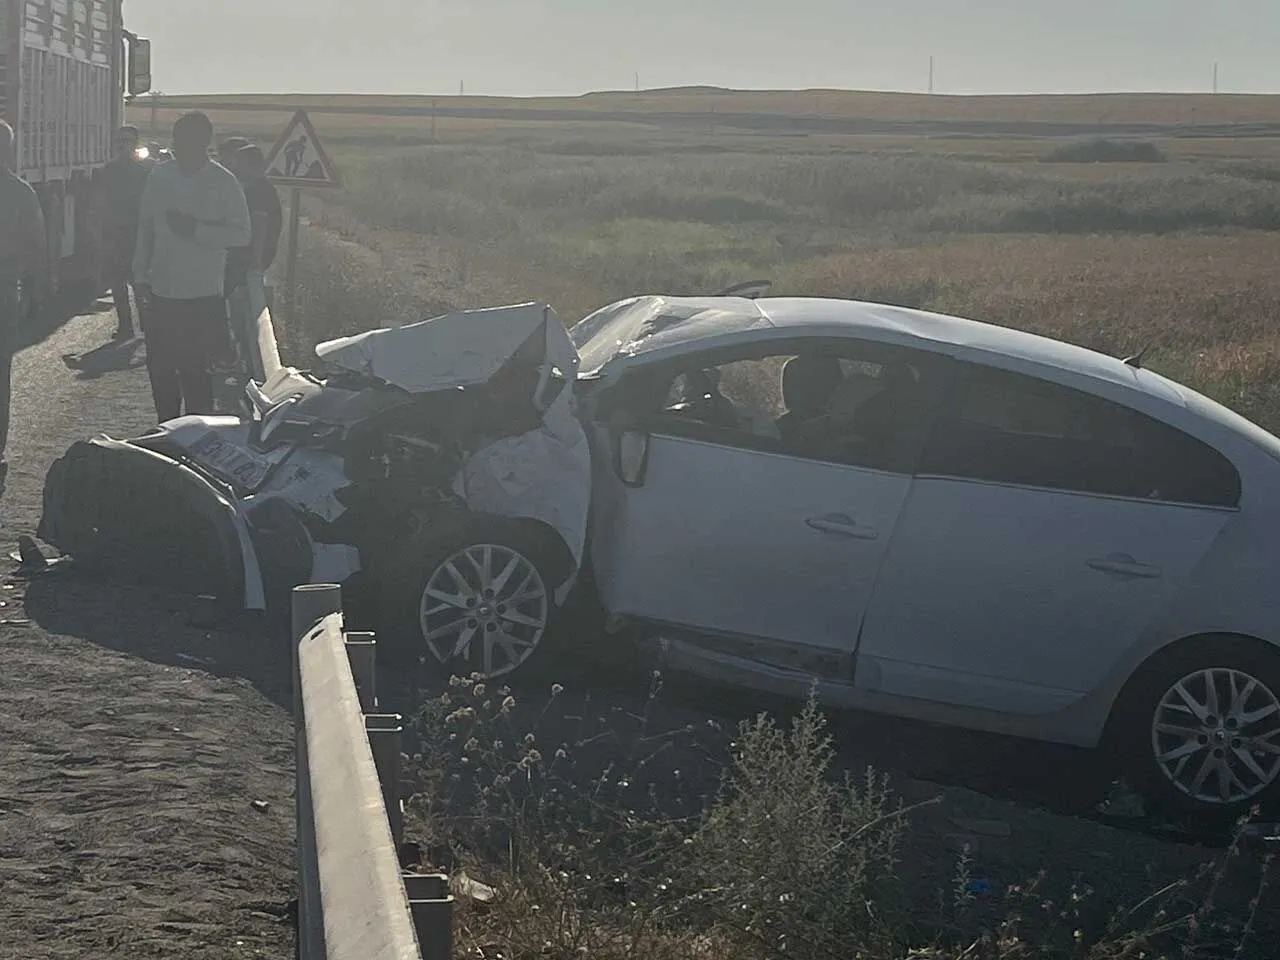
543	474
455	350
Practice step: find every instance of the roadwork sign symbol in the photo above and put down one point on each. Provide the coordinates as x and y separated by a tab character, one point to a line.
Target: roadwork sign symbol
298	158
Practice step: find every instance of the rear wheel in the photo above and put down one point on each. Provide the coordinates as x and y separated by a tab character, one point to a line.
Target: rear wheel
1199	730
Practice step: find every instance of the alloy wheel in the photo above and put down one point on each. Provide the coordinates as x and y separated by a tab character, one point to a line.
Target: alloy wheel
1216	736
484	608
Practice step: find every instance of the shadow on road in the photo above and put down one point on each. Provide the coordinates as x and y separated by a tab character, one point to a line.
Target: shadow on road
602	680
56	314
162	628
114	355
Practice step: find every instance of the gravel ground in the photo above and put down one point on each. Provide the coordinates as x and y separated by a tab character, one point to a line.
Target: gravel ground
132	744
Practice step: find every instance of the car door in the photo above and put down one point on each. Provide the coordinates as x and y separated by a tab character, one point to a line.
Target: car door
734	529
1046	531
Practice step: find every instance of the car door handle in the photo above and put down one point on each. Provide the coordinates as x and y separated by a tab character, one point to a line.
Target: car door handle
842	526
1123	565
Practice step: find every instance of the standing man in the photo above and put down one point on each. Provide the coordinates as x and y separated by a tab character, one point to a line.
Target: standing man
227	150
123	180
193	211
22	253
247	266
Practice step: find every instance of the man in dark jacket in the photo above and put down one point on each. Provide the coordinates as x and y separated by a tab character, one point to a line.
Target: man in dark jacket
122	181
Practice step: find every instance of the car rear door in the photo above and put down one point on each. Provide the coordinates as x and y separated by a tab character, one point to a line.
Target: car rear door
734	530
1046	531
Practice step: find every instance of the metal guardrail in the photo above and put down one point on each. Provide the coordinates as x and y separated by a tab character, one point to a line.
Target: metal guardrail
354	903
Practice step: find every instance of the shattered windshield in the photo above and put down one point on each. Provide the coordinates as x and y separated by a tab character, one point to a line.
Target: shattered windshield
644	324
604	333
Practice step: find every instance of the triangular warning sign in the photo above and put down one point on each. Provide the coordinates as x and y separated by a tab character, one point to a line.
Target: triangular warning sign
298	158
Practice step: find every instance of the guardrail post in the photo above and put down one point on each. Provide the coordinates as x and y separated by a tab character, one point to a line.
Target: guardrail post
362	652
384	731
431	904
311	604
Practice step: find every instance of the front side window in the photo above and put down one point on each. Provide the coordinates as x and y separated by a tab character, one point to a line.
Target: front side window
1010	428
837	404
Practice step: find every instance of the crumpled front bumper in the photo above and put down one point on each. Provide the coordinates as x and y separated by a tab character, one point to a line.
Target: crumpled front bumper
149	519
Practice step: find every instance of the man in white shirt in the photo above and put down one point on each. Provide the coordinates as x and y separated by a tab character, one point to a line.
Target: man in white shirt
193	211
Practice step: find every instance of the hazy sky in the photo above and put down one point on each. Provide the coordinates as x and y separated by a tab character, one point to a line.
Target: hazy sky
572	46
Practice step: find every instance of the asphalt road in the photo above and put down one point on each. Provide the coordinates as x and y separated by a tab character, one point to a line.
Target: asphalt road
132	743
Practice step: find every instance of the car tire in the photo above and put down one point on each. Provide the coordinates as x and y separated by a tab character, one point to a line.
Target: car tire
1197	731
473	597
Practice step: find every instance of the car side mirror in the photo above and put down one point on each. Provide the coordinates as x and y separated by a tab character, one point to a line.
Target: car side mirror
631	457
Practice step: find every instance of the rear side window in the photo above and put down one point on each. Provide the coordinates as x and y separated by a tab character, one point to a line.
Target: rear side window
1009	428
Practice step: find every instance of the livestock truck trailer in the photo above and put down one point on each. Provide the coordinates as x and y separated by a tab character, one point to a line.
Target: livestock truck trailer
66	68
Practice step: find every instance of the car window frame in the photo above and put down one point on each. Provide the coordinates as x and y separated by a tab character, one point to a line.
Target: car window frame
655	379
952	406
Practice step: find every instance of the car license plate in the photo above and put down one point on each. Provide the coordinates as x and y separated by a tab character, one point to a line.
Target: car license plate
230	461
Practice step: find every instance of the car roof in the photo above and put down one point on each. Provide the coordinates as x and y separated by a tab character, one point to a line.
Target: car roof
648	327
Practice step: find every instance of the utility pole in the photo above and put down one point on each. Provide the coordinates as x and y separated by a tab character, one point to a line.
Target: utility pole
637	81
462	88
1215	77
931	74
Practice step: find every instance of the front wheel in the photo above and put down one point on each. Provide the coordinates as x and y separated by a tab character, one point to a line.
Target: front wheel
481	603
1200	731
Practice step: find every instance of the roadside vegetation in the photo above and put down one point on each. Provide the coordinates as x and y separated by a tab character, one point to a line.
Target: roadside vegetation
599	844
1104	150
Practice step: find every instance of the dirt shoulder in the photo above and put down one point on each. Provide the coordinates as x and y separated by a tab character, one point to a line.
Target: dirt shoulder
132	744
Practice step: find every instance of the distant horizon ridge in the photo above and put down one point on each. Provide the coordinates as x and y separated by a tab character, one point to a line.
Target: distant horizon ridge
718	90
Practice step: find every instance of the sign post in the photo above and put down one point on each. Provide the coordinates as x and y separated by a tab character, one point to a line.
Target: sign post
291	259
299	161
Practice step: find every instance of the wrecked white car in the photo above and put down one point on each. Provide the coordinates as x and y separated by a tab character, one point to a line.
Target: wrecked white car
924	515
439	462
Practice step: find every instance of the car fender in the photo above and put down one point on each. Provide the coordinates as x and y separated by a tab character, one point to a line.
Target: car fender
1229	593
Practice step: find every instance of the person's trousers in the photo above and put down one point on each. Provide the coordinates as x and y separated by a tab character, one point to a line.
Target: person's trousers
119	275
124	309
181	336
8	346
